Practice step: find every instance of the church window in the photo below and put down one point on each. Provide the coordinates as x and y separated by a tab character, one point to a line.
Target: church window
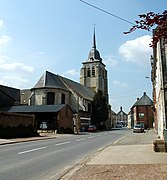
50	98
89	108
88	72
93	71
62	98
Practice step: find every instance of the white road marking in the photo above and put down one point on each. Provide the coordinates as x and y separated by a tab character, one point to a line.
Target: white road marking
80	139
67	142
99	135
105	134
31	150
91	137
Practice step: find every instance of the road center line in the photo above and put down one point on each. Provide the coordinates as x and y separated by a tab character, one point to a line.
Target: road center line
67	142
105	134
31	150
91	137
80	139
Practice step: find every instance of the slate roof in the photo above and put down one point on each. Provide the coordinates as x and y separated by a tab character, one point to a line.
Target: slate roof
9	96
144	101
80	89
50	80
35	108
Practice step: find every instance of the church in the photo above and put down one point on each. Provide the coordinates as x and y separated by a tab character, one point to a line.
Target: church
54	90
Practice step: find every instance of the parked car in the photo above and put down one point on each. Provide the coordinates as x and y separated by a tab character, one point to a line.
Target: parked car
138	128
92	128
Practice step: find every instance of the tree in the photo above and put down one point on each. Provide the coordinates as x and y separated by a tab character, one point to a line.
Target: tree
152	20
99	108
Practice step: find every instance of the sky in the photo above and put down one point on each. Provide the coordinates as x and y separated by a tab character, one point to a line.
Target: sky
57	35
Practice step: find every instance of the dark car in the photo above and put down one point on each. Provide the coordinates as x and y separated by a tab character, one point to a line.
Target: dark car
138	128
92	128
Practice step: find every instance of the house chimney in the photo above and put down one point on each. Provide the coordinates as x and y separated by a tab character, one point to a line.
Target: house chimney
144	93
137	99
121	108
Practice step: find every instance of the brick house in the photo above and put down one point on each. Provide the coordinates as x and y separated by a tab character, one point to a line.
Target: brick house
142	112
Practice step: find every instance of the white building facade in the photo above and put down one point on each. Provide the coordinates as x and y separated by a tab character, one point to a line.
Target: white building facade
159	81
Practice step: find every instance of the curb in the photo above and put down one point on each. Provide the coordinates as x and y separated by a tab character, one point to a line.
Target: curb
27	140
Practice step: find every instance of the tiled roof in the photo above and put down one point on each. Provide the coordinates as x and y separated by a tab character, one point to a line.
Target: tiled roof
35	108
50	80
80	89
144	101
9	96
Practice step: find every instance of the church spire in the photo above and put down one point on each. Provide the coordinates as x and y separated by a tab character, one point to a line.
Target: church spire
94	39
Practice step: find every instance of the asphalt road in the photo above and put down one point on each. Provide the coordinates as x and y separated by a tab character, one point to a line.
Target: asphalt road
49	159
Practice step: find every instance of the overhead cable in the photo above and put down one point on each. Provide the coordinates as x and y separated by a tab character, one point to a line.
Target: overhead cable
107	12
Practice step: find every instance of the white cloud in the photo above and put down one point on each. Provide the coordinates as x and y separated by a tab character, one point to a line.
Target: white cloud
13	73
137	50
1	23
4	40
16	66
3	58
16	81
72	72
120	84
110	61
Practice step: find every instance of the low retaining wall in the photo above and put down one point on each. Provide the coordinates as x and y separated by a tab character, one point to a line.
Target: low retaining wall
15	119
160	145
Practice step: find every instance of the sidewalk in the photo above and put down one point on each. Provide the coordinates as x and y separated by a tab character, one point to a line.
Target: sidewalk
130	158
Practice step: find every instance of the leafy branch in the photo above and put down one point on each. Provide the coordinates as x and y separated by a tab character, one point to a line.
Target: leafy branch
148	22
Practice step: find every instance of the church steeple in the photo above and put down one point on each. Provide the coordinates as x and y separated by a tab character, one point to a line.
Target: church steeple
93	73
94	54
94	40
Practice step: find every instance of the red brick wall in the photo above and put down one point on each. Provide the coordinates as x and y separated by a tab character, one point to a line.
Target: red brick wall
148	115
65	118
14	119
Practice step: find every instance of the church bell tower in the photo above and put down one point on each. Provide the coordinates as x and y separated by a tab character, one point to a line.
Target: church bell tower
93	73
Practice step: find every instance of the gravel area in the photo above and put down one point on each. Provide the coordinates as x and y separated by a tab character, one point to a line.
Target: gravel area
122	172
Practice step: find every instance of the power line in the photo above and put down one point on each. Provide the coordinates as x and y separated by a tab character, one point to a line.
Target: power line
134	89
125	96
107	12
